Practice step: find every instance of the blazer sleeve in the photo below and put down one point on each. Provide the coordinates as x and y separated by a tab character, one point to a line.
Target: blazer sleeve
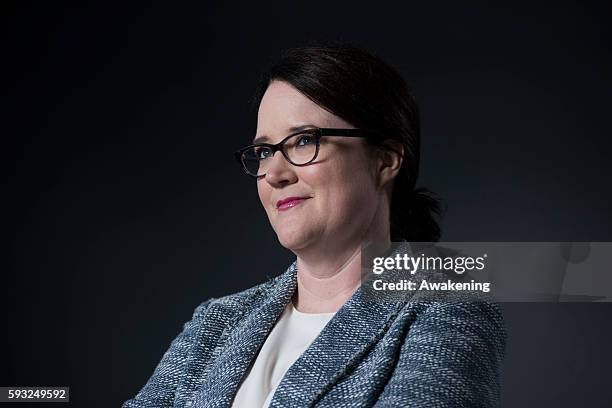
451	357
160	390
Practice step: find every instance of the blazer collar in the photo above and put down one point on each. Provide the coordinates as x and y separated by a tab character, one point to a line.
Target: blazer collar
357	325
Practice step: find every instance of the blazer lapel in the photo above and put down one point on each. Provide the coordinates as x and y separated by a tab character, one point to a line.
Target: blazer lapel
350	334
244	342
352	331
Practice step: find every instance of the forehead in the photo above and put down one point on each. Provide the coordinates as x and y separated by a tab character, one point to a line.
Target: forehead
284	107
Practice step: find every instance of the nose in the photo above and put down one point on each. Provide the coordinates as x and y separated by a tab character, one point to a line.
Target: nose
280	172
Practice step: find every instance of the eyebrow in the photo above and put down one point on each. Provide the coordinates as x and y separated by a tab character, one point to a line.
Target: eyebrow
264	138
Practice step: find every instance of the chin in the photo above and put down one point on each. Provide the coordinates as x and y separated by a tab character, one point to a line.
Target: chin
293	240
291	243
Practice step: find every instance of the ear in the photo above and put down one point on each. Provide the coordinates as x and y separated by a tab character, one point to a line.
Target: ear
390	160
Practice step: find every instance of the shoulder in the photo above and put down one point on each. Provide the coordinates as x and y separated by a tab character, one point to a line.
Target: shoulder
465	332
454	343
455	303
460	313
233	304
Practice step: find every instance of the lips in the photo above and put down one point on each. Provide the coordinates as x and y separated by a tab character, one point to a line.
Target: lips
289	202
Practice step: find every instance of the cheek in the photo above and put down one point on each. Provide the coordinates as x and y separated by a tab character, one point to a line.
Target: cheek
264	191
345	192
350	198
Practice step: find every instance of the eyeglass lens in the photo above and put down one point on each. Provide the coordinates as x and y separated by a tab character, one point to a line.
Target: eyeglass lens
299	149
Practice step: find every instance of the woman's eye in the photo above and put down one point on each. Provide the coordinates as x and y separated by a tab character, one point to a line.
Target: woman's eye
305	140
262	153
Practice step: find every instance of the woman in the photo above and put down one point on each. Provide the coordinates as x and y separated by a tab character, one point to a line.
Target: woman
335	159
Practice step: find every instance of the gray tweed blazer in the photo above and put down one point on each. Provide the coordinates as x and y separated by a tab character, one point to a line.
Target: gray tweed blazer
417	352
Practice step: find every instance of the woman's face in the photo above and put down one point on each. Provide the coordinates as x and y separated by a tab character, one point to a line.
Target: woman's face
339	187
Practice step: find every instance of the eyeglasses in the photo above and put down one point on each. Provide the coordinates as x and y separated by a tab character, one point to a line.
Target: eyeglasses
300	149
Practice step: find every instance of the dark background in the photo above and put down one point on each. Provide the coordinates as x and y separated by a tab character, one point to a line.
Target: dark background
124	209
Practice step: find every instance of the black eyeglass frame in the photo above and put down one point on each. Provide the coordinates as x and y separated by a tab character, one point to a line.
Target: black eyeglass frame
318	133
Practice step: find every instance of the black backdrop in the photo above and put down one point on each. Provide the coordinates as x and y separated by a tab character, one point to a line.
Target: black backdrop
123	207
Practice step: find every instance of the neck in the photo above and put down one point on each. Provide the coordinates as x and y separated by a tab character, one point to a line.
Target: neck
330	276
325	286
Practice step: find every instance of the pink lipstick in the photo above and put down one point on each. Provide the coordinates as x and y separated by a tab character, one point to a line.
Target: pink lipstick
289	202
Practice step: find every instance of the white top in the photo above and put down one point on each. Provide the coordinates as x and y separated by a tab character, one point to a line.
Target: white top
289	338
